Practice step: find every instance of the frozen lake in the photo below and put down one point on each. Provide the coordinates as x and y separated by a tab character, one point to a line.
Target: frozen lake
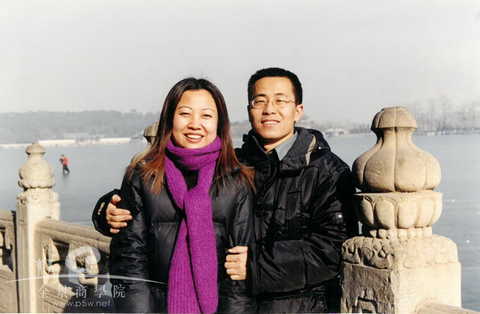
98	169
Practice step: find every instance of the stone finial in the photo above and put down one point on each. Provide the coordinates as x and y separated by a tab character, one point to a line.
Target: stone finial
395	163
150	132
36	172
398	263
397	179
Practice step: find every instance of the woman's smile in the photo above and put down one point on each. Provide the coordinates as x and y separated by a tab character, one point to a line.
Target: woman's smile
194	138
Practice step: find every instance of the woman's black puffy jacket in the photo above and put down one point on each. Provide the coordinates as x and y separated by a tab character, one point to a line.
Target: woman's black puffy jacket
143	250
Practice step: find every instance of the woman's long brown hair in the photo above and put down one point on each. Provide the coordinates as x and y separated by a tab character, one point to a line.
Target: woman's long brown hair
152	165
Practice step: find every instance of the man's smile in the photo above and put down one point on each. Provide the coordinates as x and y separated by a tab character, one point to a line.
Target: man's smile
268	122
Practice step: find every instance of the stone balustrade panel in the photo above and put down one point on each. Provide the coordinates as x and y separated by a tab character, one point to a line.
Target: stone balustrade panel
72	266
8	283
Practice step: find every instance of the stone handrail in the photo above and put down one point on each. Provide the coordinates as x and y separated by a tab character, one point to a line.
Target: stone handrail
73	233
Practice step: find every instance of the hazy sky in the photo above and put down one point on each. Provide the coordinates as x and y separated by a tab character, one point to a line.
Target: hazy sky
353	57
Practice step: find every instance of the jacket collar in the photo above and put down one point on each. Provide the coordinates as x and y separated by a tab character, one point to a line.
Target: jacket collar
308	140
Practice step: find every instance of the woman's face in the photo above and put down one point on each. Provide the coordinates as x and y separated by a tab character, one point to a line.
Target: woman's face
195	120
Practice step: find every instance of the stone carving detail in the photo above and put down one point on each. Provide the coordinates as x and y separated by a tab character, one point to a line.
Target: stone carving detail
395	164
366	306
55	290
40	199
36	178
404	215
51	261
6	249
36	172
83	260
399	254
71	280
8	274
397	179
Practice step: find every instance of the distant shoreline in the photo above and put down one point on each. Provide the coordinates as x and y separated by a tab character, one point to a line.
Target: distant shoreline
127	140
74	143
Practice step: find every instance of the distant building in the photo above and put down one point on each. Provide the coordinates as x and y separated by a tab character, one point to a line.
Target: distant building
14	146
114	140
335	132
65	142
78	135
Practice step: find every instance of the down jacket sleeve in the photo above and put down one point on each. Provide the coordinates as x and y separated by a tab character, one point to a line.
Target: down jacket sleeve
313	258
99	215
236	295
128	255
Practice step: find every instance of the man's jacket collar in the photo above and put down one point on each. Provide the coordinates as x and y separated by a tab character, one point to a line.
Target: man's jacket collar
308	140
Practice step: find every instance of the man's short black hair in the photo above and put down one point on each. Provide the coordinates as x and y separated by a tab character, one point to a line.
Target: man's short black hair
276	72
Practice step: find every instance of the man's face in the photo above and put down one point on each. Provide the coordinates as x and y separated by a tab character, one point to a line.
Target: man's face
275	112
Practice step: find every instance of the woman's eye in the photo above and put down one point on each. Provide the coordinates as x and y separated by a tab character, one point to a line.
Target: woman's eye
208	116
184	114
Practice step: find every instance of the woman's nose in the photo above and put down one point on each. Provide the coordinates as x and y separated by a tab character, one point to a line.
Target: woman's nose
195	122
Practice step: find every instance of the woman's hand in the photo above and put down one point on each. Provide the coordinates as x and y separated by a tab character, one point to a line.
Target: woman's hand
236	262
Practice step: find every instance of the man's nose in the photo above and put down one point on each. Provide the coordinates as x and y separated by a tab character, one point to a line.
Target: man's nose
269	107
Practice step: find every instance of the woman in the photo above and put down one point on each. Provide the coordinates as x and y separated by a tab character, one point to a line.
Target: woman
170	257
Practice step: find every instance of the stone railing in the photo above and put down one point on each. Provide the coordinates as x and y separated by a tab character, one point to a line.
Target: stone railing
47	265
61	267
397	266
71	267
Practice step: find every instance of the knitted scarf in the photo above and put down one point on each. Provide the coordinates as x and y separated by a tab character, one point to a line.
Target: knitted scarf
192	281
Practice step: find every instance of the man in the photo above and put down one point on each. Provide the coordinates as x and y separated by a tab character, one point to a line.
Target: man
64	161
302	204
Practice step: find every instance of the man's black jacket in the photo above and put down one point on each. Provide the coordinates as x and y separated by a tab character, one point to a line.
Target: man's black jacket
303	214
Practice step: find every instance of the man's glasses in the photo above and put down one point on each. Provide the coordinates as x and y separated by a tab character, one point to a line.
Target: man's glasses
261	102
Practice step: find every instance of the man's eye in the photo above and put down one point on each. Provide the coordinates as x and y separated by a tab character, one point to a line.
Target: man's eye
260	102
281	101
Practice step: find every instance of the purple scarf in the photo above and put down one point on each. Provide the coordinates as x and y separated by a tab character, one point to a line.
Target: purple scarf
192	281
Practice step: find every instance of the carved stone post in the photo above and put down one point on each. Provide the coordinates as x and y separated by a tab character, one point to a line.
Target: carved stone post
34	204
150	132
398	264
